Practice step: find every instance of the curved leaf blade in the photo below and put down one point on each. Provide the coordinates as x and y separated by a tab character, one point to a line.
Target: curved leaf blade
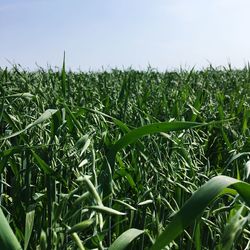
196	205
8	239
81	226
125	239
105	210
153	128
29	223
232	229
45	116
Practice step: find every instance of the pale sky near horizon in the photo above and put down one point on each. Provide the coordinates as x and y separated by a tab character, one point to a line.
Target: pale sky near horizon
166	34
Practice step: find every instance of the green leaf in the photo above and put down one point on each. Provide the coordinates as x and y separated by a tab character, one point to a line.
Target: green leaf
233	158
73	119
25	95
197	236
8	240
63	77
42	164
43	241
143	203
125	204
29	222
131	137
92	190
45	116
81	226
125	239
196	205
232	229
137	133
77	240
105	210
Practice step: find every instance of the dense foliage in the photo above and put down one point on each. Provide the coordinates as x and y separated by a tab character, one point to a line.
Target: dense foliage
70	153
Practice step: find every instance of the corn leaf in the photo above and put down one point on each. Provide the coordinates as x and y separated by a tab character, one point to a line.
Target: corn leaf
196	205
45	116
125	239
8	240
137	133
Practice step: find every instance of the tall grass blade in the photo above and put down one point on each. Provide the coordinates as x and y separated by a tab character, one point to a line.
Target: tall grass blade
196	205
235	157
77	240
63	77
233	229
81	226
106	210
43	241
8	240
45	116
29	222
25	95
137	133
42	164
123	241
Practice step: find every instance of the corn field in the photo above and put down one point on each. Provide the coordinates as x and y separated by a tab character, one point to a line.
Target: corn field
124	159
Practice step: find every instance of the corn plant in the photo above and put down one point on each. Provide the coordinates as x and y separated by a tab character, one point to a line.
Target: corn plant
124	159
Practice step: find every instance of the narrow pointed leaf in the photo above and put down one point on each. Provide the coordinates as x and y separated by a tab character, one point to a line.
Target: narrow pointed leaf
196	205
106	210
29	222
7	238
45	116
42	164
137	133
63	77
78	241
232	230
123	241
25	95
81	226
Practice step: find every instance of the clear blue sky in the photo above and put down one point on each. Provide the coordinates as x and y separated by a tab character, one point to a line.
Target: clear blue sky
166	34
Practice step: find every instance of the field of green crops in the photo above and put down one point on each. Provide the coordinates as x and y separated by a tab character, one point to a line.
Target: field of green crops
124	159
